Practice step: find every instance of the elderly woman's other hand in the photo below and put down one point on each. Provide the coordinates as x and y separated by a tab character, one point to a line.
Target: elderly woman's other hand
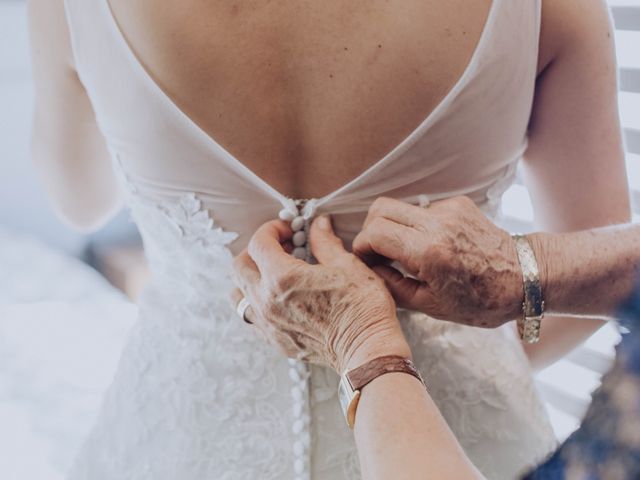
461	266
337	313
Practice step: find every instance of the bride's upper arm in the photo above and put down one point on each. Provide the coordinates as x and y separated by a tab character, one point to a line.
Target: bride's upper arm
67	146
574	166
575	162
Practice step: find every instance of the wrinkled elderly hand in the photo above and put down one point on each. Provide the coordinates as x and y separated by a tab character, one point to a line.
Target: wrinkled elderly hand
461	266
338	312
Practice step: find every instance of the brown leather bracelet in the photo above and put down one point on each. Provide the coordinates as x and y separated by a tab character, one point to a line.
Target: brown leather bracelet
353	381
364	374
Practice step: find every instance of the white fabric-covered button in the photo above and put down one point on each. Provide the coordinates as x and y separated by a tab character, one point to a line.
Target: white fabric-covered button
423	201
297	427
286	215
299	238
299	372
297	224
294	375
296	393
298	448
310	208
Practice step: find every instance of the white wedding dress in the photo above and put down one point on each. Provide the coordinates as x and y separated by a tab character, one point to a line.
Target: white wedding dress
197	396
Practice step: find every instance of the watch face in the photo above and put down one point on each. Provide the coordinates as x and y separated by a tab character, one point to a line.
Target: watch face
348	400
343	396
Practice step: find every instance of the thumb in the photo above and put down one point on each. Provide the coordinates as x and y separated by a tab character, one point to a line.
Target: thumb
404	290
326	247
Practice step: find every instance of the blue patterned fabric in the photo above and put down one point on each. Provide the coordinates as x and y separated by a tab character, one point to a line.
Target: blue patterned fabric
607	445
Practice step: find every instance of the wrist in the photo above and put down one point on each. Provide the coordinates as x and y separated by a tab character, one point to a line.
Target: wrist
375	346
512	285
542	244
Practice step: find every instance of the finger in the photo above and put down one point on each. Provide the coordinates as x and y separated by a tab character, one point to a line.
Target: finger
406	291
448	204
266	247
236	296
261	331
390	240
245	272
250	317
326	247
396	211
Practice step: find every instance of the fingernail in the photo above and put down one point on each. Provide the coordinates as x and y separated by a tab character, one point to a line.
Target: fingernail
323	223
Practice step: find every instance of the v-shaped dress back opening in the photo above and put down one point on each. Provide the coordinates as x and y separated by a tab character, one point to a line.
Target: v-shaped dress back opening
217	148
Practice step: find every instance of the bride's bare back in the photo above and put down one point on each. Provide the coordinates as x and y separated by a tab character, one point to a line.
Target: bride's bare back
306	94
309	94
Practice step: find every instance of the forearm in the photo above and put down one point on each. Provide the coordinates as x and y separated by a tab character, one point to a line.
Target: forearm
75	170
585	276
400	434
399	431
588	273
574	167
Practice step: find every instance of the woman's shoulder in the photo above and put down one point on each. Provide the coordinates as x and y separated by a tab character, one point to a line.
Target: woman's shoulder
570	25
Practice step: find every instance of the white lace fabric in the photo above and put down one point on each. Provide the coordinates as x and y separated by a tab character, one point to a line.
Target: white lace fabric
197	396
195	381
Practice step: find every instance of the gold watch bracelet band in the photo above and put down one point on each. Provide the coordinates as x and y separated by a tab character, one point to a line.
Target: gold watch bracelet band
530	323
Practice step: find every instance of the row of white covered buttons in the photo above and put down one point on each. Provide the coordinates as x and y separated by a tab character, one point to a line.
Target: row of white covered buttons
299	239
299	372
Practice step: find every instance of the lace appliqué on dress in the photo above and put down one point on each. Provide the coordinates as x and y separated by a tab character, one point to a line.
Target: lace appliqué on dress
193	381
194	222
